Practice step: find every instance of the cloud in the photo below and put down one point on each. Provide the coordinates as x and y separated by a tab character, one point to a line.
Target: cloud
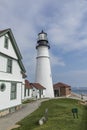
65	22
76	78
56	61
68	28
61	19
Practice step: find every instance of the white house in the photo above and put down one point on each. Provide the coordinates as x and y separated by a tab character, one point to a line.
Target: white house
12	73
32	91
38	90
27	91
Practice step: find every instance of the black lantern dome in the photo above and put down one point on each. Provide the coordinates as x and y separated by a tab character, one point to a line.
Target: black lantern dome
42	40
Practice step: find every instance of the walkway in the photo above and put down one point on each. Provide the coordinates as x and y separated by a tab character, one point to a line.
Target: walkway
7	122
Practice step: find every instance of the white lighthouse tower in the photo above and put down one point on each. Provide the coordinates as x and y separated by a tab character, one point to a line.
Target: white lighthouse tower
43	69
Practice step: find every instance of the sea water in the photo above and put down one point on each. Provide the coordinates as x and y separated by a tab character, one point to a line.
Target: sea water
80	90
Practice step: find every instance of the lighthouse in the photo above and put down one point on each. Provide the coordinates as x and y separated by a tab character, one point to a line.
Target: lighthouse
43	68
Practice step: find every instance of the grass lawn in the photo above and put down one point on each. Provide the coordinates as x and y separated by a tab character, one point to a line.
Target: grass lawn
59	116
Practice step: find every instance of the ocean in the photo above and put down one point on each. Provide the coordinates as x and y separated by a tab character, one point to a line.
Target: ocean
80	90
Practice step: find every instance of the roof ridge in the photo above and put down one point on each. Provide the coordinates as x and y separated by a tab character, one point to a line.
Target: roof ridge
16	48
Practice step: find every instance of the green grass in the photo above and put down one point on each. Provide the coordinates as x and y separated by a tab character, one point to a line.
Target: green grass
59	116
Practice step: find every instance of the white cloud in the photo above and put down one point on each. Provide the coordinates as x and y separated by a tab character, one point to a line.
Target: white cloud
66	29
64	20
62	23
76	78
56	61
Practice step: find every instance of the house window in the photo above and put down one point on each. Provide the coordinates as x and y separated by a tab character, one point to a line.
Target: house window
41	92
25	92
13	90
6	41
9	65
28	92
2	87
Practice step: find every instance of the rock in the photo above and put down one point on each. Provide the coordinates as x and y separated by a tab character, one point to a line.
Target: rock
42	120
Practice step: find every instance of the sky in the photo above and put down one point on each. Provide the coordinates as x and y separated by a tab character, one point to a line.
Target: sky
65	22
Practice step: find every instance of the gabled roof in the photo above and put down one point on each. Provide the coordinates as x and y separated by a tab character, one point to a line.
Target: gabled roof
27	84
60	85
37	86
17	51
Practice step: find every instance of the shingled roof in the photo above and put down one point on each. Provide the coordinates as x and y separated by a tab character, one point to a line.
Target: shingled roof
17	51
27	84
2	31
60	85
37	86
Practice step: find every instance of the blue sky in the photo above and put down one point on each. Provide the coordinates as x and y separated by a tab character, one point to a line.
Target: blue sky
65	22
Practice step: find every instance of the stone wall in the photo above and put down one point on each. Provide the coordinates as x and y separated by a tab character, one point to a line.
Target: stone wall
9	110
